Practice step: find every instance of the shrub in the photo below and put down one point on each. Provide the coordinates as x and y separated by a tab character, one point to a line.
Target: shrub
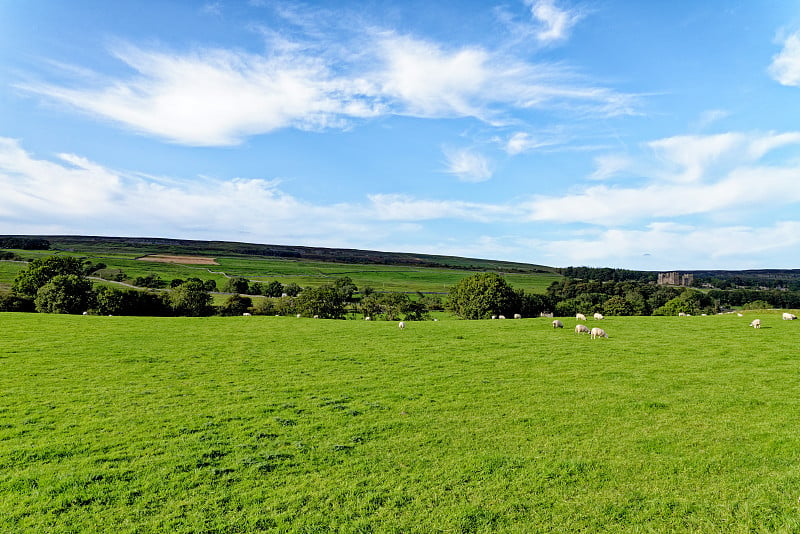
65	293
235	305
191	299
482	295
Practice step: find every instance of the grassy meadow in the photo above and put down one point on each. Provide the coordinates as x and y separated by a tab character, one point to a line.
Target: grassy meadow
302	272
273	424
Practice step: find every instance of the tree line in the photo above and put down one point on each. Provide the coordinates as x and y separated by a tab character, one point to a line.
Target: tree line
60	284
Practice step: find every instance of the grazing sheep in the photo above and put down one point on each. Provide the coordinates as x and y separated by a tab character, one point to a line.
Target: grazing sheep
682	314
558	324
789	316
316	317
581	329
298	316
598	316
245	314
756	323
739	315
494	317
501	316
517	316
401	325
367	318
598	332
580	316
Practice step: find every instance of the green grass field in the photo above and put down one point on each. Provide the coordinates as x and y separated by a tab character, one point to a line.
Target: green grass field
302	272
266	424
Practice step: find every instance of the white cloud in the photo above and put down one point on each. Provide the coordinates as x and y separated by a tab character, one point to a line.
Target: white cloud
216	97
785	66
555	24
521	142
399	207
669	246
616	206
609	165
469	166
691	175
211	97
74	195
687	157
710	117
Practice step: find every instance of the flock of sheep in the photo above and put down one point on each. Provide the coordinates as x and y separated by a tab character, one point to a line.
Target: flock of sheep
594	333
756	323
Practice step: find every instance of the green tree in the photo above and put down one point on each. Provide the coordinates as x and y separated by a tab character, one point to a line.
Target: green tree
676	306
210	285
191	299
324	301
292	289
15	303
42	270
273	289
152	280
65	293
236	284
235	305
482	295
345	286
617	305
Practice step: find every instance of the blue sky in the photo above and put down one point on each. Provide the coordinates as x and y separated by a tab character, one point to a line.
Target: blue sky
640	135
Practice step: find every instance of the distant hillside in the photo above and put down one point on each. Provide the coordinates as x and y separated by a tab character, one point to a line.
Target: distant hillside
147	245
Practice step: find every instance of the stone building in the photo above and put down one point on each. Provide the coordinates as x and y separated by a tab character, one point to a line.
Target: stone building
675	279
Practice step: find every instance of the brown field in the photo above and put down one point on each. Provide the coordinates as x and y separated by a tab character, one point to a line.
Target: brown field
189	260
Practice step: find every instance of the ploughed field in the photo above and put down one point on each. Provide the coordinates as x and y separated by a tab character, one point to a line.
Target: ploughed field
248	424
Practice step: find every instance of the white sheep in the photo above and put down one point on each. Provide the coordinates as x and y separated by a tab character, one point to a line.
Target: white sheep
401	325
245	314
316	317
298	315
682	314
789	316
558	324
581	329
580	316
598	332
501	316
598	316
368	318
756	323
494	317
517	316
739	315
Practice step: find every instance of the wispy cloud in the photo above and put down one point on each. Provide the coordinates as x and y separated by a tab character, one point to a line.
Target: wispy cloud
672	246
686	178
521	142
76	195
216	97
401	207
554	23
785	66
314	81
468	165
